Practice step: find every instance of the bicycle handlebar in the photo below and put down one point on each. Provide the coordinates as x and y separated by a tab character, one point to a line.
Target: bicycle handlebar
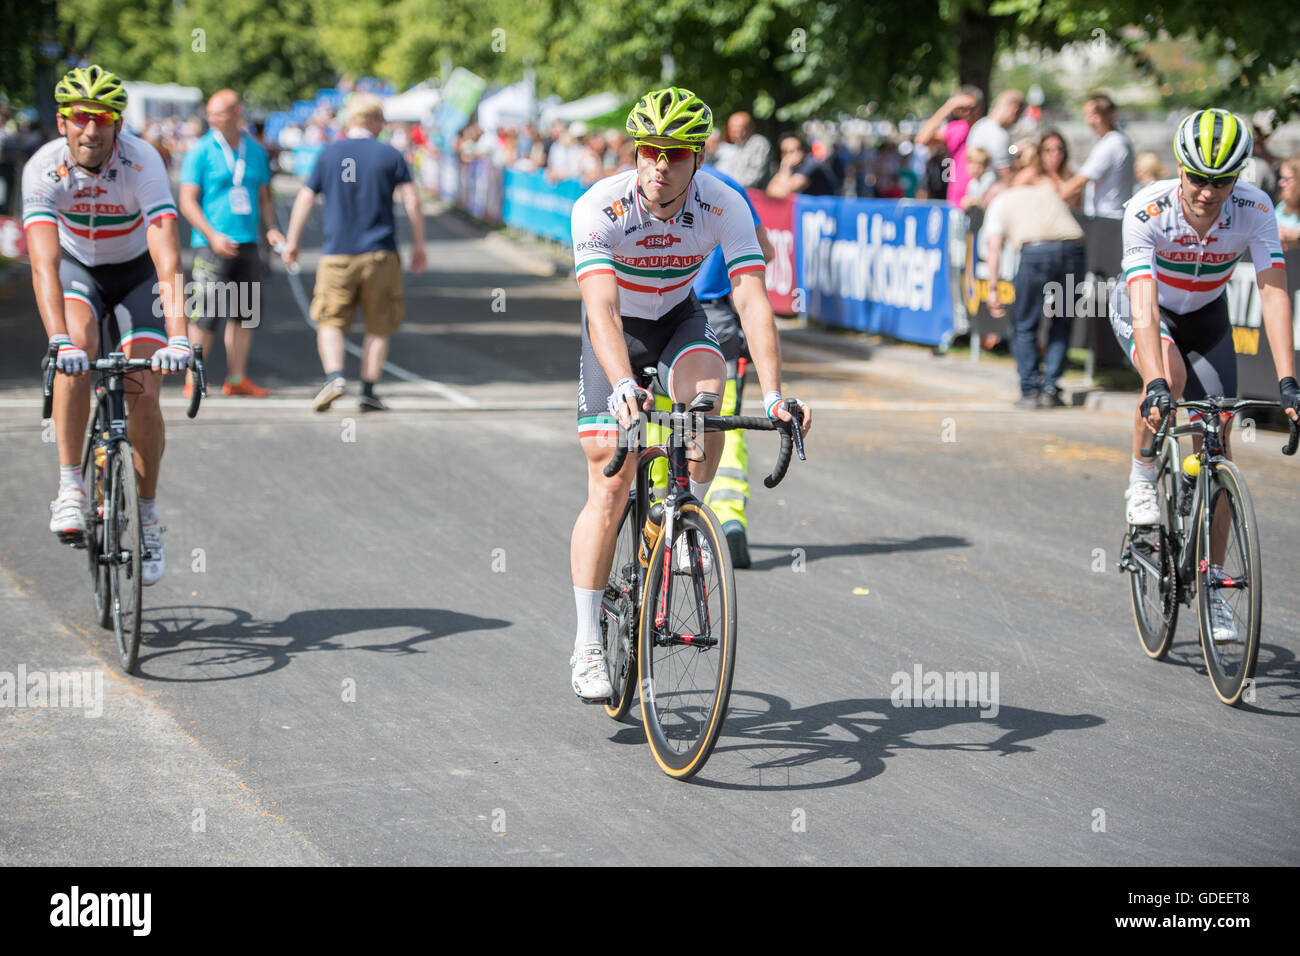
49	366
791	438
1215	408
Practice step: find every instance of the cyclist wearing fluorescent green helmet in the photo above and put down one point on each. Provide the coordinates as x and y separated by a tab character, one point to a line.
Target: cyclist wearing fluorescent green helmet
1182	240
101	233
639	240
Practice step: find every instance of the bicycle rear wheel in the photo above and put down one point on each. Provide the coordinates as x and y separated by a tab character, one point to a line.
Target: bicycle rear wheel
617	614
92	480
126	550
1229	512
687	644
1155	593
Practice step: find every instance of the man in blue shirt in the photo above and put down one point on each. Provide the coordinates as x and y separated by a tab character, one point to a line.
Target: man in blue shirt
359	263
225	189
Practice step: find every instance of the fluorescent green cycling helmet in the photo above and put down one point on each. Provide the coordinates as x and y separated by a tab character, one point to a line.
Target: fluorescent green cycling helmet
1213	143
672	113
93	84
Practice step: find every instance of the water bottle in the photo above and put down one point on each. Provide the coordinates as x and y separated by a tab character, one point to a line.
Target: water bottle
1191	468
654	520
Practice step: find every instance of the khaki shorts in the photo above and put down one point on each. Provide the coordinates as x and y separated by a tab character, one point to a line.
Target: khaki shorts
372	280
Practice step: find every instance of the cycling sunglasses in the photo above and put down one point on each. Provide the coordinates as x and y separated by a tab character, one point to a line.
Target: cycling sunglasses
1216	182
81	118
674	154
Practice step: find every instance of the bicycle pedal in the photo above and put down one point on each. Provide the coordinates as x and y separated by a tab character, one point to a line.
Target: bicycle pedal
74	539
593	700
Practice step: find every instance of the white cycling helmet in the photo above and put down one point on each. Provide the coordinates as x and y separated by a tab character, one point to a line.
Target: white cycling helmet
1213	143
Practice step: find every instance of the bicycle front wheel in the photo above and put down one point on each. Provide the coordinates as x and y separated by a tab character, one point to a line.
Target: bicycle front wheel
1153	578
94	483
687	642
1229	586
617	614
126	549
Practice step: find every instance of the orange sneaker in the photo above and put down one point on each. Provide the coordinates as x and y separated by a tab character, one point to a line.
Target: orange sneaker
245	386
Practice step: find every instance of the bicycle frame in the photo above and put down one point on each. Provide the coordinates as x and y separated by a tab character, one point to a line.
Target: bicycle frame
1210	428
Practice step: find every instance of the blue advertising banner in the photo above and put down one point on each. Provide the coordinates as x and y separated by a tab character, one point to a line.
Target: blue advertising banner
543	208
876	265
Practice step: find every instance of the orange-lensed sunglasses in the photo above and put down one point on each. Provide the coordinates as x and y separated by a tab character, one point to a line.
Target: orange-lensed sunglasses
674	154
81	118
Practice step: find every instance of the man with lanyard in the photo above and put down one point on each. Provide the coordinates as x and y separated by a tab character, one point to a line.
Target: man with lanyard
220	176
1182	240
102	239
639	240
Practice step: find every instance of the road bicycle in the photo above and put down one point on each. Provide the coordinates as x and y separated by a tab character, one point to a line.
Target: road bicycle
1205	546
113	539
668	613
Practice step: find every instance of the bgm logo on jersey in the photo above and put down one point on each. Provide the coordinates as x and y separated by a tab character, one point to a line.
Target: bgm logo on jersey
618	208
716	210
658	242
1153	209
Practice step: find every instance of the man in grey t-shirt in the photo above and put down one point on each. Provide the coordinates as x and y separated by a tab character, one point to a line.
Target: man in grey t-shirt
993	133
1108	170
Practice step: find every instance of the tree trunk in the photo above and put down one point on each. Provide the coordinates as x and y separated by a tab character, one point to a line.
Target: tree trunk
977	33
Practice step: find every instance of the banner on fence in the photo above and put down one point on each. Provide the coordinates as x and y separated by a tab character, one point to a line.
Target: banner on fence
876	265
535	205
777	216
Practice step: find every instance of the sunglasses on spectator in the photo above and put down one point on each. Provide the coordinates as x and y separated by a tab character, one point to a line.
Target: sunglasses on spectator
81	118
674	154
1215	182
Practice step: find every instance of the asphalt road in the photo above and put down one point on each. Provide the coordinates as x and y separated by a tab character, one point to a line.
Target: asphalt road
359	651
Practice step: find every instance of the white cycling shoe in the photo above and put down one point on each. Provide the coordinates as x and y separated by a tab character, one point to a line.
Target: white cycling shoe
682	556
68	515
154	561
1223	625
1142	504
590	675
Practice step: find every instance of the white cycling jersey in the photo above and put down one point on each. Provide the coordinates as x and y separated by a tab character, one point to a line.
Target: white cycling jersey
1190	272
101	217
656	260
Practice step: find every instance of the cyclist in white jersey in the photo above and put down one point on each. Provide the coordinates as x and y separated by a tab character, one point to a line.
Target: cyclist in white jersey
639	238
101	234
1182	240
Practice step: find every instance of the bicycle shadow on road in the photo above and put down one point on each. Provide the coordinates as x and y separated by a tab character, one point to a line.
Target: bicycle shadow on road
818	552
199	643
768	745
1277	675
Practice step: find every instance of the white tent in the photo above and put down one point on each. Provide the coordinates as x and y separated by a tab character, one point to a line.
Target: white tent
509	106
583	109
413	106
149	101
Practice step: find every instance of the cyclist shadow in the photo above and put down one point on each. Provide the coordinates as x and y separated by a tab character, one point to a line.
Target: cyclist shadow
818	552
1277	676
767	744
203	643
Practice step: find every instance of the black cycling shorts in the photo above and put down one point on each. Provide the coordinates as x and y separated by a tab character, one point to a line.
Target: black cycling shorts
1203	338
659	342
123	297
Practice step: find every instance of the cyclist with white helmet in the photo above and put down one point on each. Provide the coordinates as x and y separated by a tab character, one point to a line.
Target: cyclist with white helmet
101	234
639	239
1182	240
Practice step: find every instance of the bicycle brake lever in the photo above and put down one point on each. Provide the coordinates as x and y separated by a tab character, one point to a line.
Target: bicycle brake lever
796	429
